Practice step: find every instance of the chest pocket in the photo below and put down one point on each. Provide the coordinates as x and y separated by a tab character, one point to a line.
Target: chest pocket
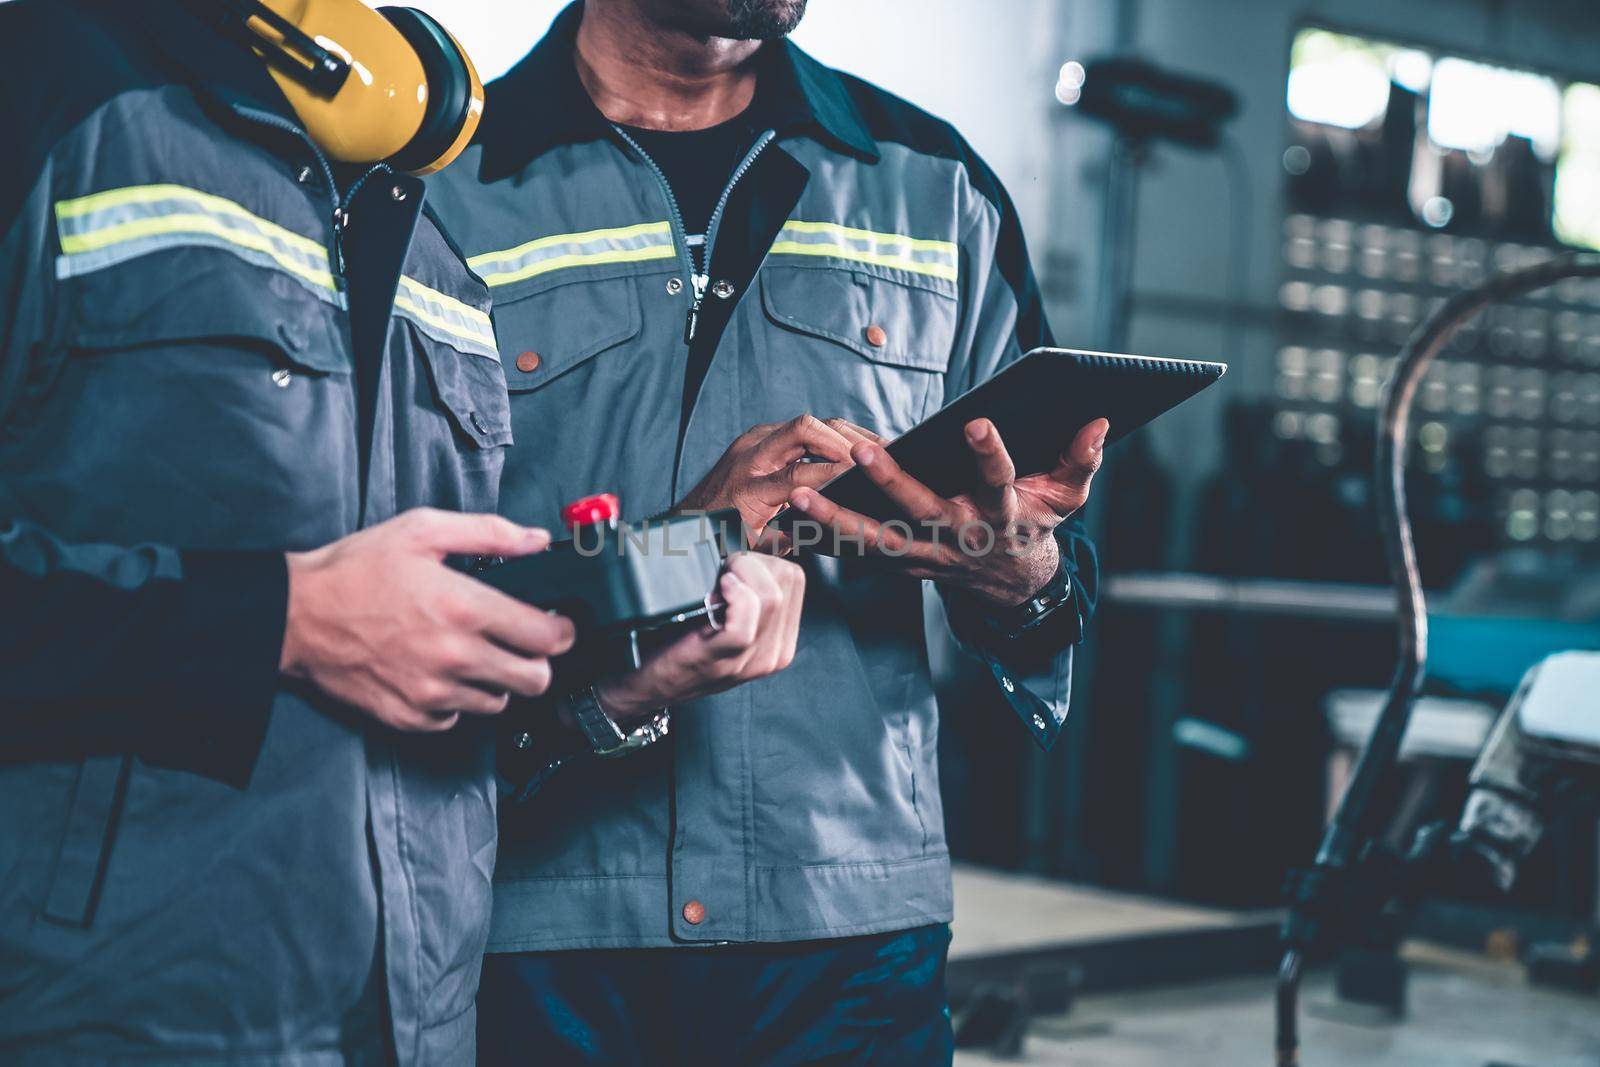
552	330
150	265
457	341
866	346
471	390
202	379
198	297
455	427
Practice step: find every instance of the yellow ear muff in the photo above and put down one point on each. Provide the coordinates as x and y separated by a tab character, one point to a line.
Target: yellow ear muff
412	97
455	97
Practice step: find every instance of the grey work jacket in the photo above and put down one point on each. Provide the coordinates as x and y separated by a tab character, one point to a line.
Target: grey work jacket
805	805
200	863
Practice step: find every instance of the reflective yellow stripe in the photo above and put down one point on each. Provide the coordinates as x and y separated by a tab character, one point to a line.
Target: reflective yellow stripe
622	244
150	194
937	259
110	227
936	270
121	233
450	303
114	226
831	228
587	236
581	259
457	321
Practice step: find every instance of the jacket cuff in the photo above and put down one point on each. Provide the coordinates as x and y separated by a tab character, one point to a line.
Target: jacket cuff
531	746
229	640
1037	715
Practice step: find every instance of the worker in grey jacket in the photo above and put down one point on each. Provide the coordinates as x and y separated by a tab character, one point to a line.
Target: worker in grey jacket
697	237
246	809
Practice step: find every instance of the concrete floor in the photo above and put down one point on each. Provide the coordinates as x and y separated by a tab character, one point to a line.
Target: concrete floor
1465	1012
1001	911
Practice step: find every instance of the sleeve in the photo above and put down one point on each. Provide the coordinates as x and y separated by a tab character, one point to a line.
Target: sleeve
103	648
1001	319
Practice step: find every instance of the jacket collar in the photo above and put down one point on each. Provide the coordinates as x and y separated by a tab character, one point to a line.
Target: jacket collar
198	47
541	103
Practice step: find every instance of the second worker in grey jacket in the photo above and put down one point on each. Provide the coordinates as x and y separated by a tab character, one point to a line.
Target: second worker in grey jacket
851	259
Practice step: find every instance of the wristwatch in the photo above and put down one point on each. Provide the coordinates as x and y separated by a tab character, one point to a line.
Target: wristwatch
605	737
1018	619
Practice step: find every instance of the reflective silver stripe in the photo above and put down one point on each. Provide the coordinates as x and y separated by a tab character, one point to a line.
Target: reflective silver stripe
88	262
897	251
445	319
624	244
111	227
114	226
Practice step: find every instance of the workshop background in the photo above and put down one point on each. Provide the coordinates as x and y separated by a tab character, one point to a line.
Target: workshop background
1117	896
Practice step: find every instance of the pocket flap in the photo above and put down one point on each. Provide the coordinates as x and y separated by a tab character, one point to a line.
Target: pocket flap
218	295
882	320
560	327
472	389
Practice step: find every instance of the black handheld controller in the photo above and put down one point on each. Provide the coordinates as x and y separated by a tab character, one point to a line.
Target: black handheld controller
626	588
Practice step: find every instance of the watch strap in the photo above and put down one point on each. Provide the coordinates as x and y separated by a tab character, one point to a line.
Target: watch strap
1018	619
605	737
598	728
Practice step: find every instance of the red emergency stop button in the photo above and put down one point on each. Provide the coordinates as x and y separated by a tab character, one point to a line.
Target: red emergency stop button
589	510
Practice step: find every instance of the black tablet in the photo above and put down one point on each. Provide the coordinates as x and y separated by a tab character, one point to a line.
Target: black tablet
1037	403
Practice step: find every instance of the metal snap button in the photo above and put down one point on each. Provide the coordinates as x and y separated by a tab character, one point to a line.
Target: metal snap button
1008	685
528	362
877	337
1038	722
694	913
281	378
305	174
674	286
722	290
398	193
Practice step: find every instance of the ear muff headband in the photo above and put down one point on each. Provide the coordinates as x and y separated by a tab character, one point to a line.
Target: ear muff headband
410	96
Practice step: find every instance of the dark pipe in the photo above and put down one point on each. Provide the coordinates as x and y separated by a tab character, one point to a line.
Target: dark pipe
1288	1042
1352	825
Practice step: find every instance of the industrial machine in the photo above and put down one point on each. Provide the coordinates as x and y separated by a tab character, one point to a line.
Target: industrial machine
1544	753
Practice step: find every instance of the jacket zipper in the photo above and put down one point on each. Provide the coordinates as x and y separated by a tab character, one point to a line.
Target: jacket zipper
699	280
341	205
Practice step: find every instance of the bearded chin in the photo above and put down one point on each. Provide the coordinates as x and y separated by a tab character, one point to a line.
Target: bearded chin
763	20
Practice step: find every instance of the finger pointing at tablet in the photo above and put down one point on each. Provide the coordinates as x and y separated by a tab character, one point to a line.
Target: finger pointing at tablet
993	541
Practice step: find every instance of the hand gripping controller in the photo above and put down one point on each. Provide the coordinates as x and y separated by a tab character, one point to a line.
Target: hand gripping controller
625	587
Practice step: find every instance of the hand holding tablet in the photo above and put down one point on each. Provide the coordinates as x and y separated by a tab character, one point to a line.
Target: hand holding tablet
1002	464
993	541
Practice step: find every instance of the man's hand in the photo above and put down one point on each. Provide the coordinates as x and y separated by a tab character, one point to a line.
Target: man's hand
768	462
761	623
377	620
995	543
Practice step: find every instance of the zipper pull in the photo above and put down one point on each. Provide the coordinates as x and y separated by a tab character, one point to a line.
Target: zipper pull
691	322
341	219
